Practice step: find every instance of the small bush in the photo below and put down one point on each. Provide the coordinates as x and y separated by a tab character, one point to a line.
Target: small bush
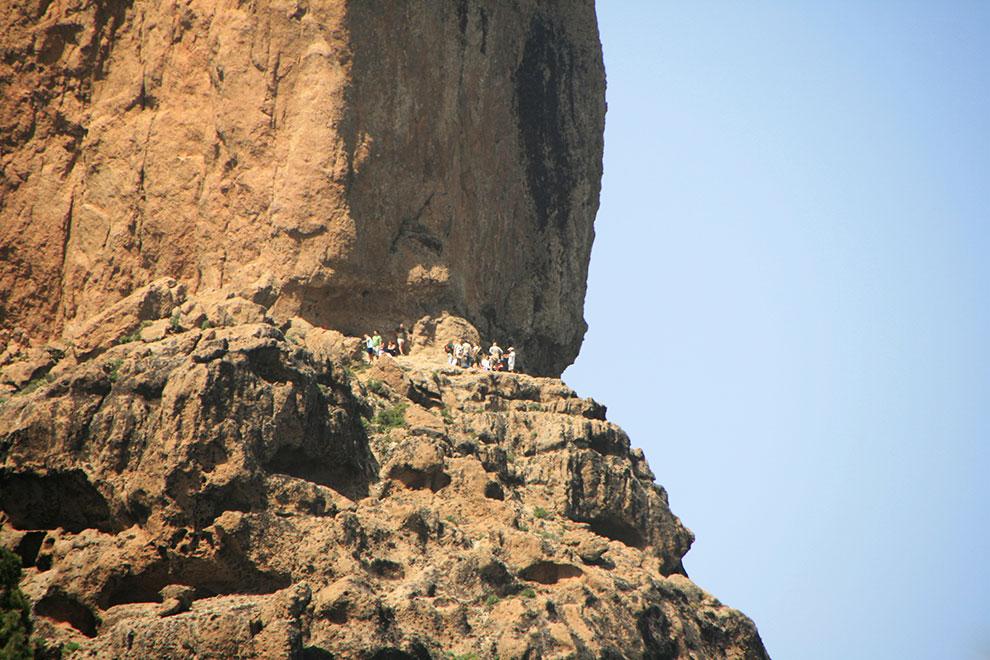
113	368
134	336
205	325
70	647
541	513
392	418
528	593
491	600
173	321
377	387
447	417
15	614
36	383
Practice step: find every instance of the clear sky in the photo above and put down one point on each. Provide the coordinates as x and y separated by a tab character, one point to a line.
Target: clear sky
789	308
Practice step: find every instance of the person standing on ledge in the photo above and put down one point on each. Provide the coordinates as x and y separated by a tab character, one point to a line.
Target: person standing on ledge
376	343
402	339
510	359
496	352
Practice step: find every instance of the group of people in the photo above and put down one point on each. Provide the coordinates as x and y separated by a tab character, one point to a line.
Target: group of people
459	354
465	355
375	346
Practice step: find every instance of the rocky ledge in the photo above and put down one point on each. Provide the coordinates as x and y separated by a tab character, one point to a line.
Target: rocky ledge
208	484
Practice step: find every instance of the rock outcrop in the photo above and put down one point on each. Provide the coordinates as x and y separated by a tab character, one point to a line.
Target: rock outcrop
202	206
365	161
252	490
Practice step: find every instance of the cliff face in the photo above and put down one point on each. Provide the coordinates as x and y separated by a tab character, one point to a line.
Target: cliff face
252	492
201	203
376	161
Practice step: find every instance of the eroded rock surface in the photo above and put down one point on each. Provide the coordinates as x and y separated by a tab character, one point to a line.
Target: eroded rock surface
201	205
252	490
350	162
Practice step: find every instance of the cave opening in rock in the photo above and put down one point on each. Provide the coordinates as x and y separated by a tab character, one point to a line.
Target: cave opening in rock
54	499
549	572
617	530
346	478
62	607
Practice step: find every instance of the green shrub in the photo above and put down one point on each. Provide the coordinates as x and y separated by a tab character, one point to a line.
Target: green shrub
15	614
36	383
491	600
114	369
392	418
205	325
447	417
173	321
541	513
528	593
134	336
377	387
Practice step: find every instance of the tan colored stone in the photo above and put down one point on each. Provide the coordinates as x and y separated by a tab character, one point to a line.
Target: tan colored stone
230	465
354	163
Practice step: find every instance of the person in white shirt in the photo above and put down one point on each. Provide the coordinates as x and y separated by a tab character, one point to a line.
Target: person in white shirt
511	359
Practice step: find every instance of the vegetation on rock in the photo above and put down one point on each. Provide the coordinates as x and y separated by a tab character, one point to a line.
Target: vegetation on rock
15	614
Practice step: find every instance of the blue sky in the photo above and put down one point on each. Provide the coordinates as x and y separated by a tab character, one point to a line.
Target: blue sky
788	308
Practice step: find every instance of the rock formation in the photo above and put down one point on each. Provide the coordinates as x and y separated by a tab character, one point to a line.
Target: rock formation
375	161
190	491
201	205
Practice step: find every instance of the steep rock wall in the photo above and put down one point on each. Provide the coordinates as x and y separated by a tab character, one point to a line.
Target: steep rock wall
375	161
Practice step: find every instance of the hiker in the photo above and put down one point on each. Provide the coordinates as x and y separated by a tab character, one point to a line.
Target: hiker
392	349
466	354
368	348
476	355
376	343
449	350
496	352
402	339
486	363
458	354
510	359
